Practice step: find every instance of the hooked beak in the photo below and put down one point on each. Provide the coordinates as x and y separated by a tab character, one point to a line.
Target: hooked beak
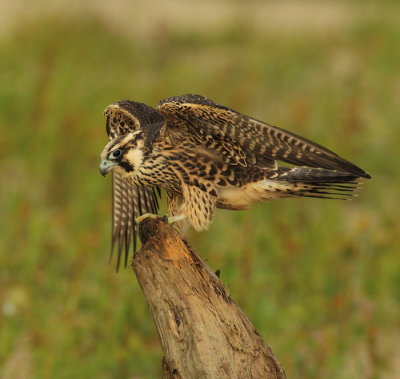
106	166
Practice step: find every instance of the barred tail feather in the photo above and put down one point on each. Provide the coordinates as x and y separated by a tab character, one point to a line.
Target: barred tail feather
316	182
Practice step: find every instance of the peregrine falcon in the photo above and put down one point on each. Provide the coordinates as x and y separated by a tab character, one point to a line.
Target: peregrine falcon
207	156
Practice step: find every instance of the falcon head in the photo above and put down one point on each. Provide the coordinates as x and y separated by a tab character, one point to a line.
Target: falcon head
123	154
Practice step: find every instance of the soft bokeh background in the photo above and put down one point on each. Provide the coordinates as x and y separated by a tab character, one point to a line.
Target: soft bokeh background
319	279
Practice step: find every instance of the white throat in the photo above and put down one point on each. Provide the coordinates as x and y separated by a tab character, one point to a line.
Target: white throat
135	158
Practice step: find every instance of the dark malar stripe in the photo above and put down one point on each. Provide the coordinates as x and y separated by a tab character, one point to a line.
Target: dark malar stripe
126	166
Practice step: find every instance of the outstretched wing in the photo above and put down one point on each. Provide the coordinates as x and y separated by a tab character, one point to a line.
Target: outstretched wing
129	201
256	142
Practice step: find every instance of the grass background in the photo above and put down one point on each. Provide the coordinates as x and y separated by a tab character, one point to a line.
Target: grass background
319	279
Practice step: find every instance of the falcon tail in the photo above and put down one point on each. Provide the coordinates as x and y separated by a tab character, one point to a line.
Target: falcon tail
313	182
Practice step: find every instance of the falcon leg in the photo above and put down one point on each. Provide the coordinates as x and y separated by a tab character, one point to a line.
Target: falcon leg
173	219
175	222
170	220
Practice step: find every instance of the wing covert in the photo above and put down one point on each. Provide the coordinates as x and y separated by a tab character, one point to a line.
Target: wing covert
260	142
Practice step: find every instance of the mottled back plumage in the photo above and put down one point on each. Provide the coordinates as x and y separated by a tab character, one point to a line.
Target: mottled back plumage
205	156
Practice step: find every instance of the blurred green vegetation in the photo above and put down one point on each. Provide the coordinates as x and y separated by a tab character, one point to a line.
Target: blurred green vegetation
319	279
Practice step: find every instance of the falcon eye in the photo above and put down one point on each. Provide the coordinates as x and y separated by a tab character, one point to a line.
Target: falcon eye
115	154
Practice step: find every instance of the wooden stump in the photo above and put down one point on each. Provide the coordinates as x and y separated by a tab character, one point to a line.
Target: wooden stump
203	333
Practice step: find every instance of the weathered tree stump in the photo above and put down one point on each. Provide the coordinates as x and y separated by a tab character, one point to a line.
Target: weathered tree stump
203	333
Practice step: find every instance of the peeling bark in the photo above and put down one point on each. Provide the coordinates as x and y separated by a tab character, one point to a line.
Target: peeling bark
203	333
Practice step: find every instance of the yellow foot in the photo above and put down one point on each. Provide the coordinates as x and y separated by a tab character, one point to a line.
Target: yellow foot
142	217
169	220
173	219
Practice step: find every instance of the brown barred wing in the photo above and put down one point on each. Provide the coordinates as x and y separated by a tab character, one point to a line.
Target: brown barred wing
264	142
130	201
126	116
